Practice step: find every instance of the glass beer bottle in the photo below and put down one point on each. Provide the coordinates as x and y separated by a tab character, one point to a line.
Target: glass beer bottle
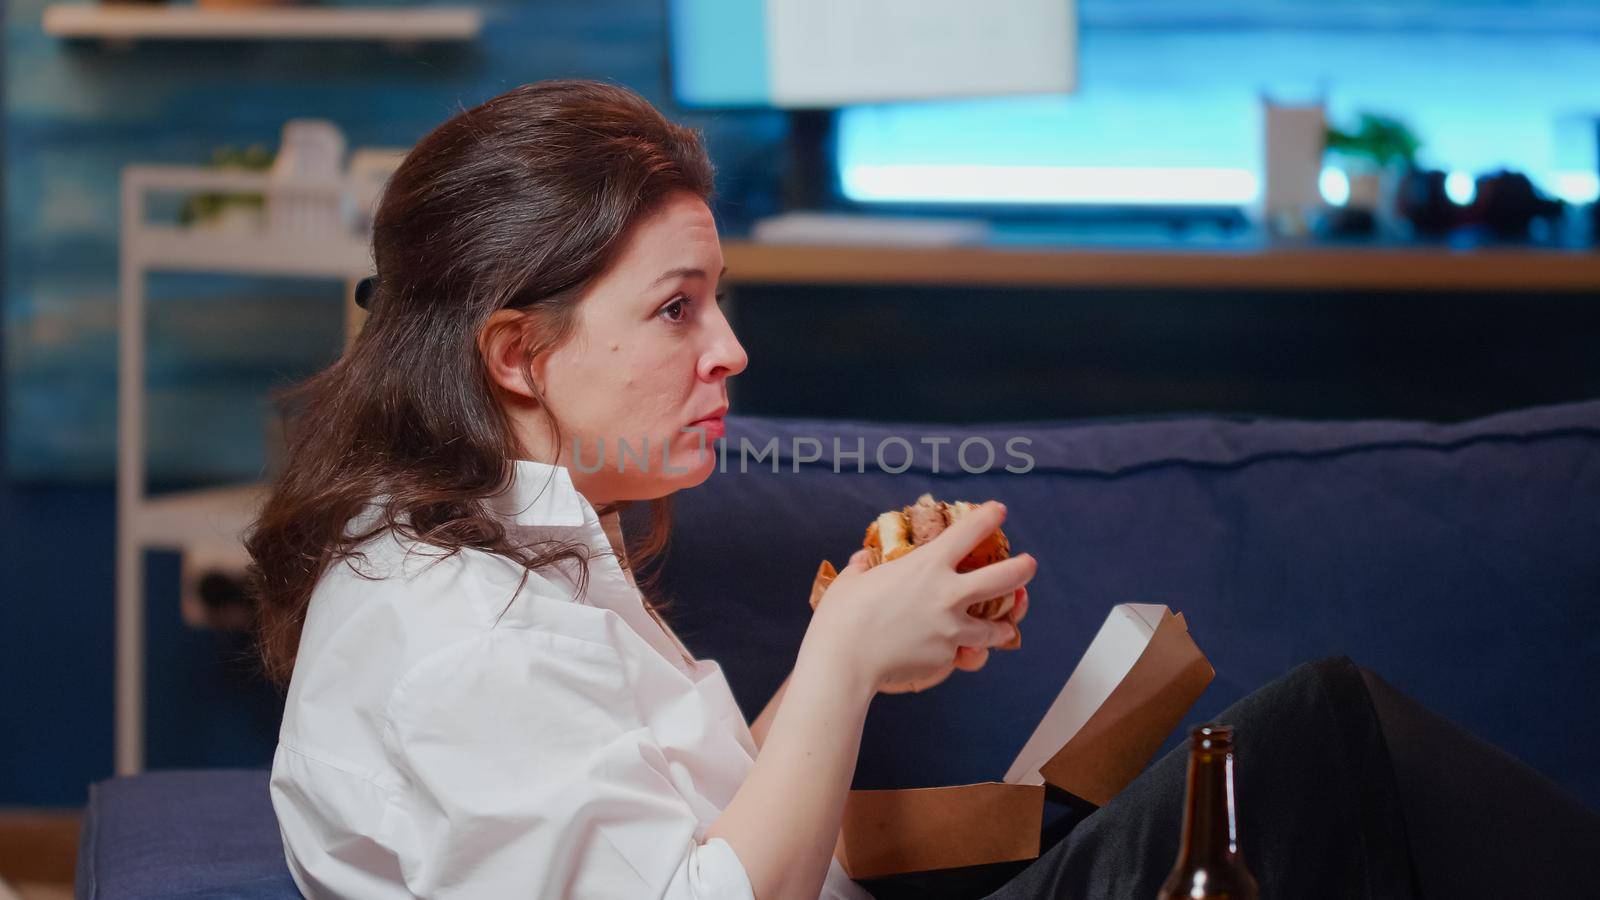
1209	865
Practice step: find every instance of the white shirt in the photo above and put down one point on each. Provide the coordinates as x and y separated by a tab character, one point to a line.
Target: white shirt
448	735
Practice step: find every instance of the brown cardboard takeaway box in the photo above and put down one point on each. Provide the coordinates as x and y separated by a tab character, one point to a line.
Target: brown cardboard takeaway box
1139	676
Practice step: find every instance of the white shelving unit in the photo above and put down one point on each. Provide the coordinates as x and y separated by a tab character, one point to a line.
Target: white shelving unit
208	521
125	23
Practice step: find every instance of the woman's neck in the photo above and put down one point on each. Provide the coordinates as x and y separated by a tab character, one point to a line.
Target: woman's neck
611	522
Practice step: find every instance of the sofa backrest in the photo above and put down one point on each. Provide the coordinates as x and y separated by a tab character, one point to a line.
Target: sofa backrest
1461	561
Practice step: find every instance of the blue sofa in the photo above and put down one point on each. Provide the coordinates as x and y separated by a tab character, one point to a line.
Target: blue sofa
1460	561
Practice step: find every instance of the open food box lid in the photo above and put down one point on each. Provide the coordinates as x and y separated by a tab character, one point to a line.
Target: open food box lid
1139	676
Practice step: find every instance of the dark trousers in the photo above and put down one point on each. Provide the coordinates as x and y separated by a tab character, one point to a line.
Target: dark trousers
1346	789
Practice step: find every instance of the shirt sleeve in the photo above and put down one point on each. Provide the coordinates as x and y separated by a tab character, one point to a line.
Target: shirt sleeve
530	774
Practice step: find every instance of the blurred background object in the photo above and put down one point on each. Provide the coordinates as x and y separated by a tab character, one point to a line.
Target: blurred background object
308	196
1375	158
240	4
1594	208
1424	200
241	212
1295	136
1509	206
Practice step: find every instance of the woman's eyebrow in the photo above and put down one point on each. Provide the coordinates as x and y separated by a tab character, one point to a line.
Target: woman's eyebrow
683	271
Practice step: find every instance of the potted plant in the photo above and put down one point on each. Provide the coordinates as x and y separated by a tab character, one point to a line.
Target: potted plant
230	212
1375	156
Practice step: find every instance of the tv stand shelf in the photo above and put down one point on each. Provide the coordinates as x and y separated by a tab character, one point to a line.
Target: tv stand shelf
1266	267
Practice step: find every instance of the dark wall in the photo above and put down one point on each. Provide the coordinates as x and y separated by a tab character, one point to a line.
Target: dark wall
956	354
207	706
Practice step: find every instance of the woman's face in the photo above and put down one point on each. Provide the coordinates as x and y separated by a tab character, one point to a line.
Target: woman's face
645	373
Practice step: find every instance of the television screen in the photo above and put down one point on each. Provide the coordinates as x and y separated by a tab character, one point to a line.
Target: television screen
796	54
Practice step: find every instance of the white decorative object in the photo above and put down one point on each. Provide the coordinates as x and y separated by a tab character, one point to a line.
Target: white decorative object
306	196
1294	138
311	149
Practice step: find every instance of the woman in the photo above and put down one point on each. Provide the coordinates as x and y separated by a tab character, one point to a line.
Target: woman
482	701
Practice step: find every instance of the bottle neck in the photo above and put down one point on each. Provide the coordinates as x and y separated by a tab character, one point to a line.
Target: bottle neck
1210	831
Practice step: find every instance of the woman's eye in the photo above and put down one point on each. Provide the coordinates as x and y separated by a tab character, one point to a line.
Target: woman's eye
674	311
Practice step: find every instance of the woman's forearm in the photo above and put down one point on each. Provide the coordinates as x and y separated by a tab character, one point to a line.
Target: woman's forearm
763	722
784	820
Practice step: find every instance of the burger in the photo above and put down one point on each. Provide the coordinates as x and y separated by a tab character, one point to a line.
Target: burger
898	532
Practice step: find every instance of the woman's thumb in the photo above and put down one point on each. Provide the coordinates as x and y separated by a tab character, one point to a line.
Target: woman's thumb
860	561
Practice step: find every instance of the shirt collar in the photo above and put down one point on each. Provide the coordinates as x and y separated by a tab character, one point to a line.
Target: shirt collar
542	495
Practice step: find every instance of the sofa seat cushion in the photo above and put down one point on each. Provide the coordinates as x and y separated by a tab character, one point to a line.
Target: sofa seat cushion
180	834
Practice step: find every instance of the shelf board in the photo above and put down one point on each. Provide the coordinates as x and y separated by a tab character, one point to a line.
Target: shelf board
209	516
175	248
128	22
1266	268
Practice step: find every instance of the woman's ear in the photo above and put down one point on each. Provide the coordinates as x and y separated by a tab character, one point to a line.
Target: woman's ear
501	343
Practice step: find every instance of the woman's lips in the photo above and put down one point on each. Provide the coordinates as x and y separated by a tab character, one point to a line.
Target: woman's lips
714	427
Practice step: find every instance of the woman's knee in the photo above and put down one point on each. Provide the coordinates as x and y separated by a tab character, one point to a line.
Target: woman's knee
1313	702
1336	668
1309	683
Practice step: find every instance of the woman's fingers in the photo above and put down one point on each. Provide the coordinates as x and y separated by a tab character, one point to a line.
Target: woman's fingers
967	532
859	559
997	579
971	659
982	633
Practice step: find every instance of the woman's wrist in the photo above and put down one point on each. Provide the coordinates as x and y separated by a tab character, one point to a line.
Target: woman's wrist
836	662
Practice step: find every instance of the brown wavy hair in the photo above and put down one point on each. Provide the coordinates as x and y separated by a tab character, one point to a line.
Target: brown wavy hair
520	202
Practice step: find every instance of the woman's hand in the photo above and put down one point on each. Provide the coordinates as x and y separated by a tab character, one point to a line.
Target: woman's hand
968	659
903	625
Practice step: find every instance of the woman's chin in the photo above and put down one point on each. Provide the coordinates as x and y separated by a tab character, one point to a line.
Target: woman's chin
693	452
699	463
686	470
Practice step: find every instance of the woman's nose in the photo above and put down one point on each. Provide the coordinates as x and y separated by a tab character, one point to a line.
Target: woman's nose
725	357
